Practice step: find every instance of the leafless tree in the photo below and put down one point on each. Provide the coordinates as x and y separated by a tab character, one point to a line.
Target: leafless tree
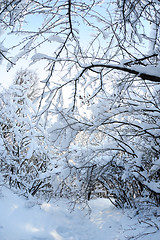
102	83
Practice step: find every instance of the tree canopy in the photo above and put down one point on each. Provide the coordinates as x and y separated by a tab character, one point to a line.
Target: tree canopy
100	99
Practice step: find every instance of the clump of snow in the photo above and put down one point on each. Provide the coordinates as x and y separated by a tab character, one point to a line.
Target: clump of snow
23	219
56	38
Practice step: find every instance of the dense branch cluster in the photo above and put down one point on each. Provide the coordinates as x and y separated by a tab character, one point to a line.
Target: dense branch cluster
96	122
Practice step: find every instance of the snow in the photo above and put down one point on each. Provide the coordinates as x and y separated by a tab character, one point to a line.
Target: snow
23	219
151	70
56	38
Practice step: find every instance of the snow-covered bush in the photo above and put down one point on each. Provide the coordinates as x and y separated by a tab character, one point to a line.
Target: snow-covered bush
25	149
112	149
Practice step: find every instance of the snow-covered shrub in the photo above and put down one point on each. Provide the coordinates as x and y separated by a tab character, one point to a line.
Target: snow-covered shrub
25	149
114	150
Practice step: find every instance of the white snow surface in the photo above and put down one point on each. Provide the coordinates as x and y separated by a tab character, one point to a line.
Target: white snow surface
22	219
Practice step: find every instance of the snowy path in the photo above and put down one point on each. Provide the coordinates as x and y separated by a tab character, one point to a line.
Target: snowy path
20	219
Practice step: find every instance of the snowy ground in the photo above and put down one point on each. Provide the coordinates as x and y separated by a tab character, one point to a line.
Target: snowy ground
21	219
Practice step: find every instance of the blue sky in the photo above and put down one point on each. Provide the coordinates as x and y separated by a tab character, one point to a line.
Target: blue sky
32	23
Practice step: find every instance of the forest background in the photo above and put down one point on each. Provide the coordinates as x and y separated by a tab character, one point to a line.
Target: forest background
89	125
